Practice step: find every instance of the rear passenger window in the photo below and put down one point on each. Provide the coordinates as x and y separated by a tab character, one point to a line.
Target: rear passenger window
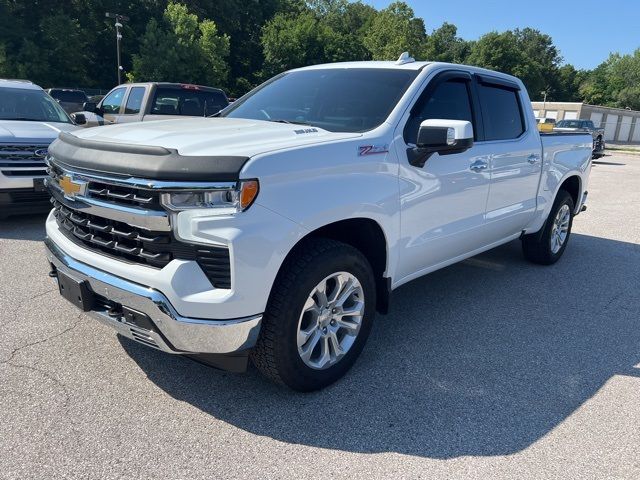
501	113
449	101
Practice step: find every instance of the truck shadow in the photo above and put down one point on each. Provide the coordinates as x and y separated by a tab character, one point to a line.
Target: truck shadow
23	227
481	358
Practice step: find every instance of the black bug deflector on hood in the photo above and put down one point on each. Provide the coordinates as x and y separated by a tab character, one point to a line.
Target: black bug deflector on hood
148	162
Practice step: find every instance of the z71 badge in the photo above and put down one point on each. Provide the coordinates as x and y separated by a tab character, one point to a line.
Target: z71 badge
372	149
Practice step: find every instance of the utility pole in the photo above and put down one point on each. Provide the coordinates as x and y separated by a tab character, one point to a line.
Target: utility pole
544	102
120	19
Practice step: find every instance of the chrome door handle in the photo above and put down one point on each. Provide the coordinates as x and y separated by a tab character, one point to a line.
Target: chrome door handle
533	158
478	166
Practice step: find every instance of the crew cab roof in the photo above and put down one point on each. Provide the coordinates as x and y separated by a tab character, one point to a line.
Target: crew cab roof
374	64
368	64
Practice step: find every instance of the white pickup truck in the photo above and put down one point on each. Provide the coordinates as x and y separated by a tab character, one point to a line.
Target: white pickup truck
276	230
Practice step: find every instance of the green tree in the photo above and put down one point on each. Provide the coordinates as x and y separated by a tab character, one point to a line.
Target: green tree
566	85
325	31
394	30
610	83
525	53
444	45
191	50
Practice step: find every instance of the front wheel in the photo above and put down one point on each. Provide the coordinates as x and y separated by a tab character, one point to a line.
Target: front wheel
318	317
547	247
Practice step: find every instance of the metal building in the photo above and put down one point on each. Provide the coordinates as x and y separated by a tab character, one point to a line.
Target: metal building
619	125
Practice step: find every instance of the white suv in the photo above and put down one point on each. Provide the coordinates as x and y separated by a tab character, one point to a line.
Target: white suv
29	121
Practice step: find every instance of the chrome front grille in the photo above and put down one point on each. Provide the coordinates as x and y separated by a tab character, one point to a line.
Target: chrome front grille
18	160
155	249
132	196
121	194
128	223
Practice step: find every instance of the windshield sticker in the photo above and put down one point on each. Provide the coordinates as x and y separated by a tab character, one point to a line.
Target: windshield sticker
305	130
372	149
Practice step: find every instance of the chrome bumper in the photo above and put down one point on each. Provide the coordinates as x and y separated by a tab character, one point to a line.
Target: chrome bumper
171	333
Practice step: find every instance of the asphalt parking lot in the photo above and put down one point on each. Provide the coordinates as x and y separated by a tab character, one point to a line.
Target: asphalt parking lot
492	368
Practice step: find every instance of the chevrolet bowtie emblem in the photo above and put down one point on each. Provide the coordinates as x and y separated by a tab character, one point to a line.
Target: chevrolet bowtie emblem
71	187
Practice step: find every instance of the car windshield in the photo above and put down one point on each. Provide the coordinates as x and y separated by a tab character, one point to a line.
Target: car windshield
71	96
27	104
569	124
335	99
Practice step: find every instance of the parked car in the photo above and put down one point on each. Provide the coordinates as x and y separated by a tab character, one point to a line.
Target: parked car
140	102
69	99
579	126
545	124
94	99
278	228
29	121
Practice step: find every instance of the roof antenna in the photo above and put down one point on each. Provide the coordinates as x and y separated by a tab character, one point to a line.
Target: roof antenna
405	58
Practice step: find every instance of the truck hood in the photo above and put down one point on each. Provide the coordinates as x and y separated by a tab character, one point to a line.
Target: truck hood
31	132
213	136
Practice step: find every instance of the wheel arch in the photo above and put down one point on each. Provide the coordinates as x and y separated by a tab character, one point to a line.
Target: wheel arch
366	235
573	186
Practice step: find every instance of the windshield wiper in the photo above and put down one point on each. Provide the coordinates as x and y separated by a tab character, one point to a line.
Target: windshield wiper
282	120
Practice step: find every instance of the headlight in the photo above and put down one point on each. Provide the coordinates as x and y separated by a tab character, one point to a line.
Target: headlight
234	199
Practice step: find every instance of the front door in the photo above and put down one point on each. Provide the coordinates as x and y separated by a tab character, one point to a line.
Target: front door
442	203
111	105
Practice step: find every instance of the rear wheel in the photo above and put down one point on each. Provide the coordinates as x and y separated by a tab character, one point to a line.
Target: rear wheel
547	247
318	317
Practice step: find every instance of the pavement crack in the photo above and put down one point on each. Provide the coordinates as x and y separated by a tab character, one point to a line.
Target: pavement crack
15	351
16	310
611	301
61	385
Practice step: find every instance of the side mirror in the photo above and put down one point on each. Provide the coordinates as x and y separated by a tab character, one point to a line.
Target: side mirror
90	107
79	118
444	137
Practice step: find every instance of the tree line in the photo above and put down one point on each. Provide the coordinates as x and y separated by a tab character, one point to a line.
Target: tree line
236	44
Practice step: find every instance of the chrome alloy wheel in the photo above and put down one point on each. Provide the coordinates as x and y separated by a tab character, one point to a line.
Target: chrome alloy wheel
560	228
330	320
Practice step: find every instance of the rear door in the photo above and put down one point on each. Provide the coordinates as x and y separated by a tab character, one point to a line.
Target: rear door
132	111
515	155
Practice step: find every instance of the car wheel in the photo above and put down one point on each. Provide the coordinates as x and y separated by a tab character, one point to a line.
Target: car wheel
547	247
318	317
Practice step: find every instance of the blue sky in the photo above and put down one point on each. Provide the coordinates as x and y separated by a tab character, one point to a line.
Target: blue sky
585	31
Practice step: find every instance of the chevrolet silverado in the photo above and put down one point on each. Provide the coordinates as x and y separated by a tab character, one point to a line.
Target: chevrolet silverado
275	230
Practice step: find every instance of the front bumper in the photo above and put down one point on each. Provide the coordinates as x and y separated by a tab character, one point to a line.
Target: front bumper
20	201
166	330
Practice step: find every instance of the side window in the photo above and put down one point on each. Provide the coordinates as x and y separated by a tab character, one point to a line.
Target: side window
112	102
450	101
501	112
134	101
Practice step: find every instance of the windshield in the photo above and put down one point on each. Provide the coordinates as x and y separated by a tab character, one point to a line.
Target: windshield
34	105
71	96
338	100
569	124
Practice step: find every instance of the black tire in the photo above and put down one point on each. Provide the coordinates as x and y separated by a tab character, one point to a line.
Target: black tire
276	352
537	246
